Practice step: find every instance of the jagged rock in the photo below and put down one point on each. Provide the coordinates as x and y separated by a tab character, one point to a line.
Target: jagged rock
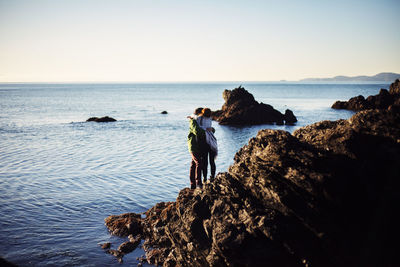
102	119
156	256
135	239
326	195
383	100
124	224
240	108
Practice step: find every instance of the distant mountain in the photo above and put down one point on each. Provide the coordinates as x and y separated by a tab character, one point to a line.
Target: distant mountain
381	77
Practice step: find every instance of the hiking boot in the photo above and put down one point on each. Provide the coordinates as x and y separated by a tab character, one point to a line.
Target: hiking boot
204	180
192	187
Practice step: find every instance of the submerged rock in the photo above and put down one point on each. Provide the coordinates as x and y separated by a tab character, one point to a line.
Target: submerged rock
326	195
102	119
240	108
106	245
384	100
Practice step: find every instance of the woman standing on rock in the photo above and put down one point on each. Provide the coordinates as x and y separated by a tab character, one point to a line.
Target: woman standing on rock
196	139
211	148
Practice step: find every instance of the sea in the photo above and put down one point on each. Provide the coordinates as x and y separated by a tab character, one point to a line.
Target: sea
61	176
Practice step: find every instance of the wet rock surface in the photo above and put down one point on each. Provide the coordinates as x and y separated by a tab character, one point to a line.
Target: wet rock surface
240	108
102	119
326	195
384	100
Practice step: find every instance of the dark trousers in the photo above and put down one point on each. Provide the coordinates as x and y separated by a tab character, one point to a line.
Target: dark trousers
195	170
208	155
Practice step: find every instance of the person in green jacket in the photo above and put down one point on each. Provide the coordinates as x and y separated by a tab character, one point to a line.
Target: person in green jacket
196	144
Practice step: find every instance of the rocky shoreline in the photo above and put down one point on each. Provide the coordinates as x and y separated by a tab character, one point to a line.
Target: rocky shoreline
326	195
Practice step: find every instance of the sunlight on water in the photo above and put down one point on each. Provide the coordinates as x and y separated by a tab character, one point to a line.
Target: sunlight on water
60	176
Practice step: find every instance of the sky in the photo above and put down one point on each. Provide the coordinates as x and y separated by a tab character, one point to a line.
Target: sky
184	40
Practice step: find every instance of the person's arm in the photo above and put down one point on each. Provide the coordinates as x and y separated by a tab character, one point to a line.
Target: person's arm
195	128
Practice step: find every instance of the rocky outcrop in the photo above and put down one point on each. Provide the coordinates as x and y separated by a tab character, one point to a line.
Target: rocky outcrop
384	100
240	108
326	195
102	119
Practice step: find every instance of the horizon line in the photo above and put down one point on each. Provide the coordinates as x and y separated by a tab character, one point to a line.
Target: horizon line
183	82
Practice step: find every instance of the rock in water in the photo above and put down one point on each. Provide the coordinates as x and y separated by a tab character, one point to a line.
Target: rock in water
102	119
105	245
326	195
240	108
127	247
290	118
124	224
164	112
384	100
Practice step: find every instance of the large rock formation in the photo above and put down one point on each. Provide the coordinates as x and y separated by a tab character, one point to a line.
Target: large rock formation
325	196
384	100
240	108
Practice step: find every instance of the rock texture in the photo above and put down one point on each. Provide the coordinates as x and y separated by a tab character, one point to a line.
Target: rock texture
240	108
384	100
102	119
325	196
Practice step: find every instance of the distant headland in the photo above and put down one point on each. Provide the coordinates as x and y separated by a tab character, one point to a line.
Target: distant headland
380	77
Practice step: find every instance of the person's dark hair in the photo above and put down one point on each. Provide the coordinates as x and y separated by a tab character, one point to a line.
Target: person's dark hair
198	111
206	112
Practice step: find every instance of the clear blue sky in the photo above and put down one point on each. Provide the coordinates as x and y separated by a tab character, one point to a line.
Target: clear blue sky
173	40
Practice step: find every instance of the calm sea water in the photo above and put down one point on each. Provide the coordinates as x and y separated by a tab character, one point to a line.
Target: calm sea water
60	176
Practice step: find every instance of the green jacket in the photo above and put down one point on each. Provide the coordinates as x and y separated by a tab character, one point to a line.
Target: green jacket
196	138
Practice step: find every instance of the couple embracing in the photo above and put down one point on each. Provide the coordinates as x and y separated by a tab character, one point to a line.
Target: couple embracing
202	146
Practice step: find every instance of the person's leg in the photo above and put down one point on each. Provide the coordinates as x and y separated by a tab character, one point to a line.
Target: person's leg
205	166
212	163
196	167
193	172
